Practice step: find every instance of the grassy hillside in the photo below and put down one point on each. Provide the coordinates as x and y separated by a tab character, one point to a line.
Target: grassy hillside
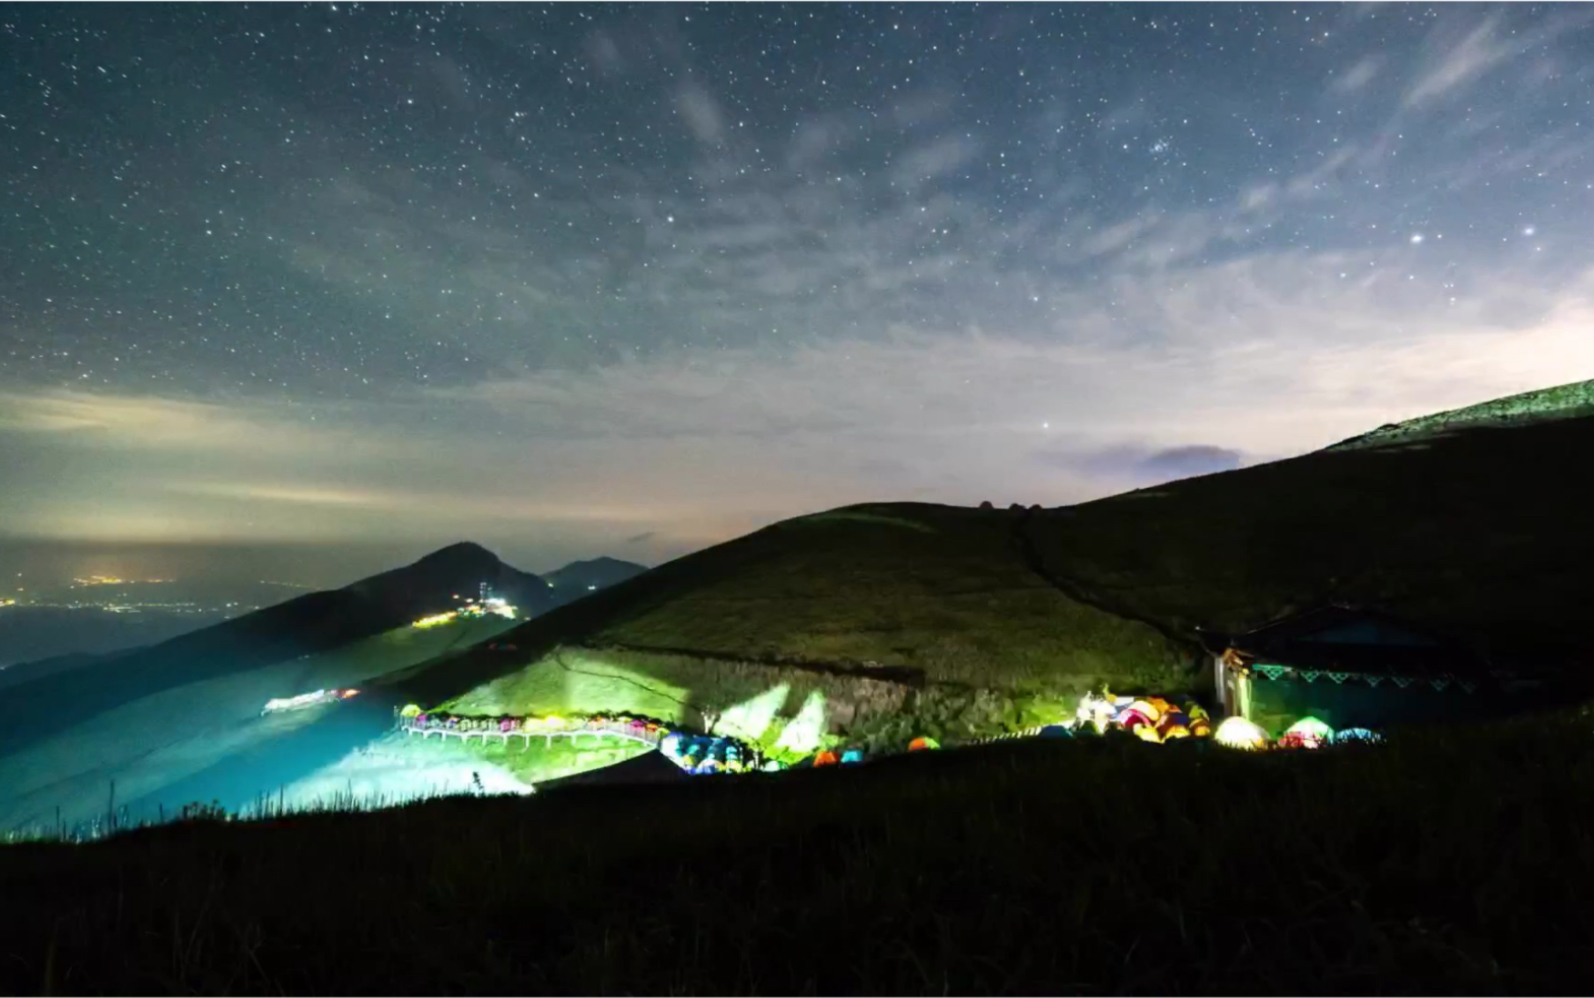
901	620
1559	402
1435	865
939	590
789	711
1483	532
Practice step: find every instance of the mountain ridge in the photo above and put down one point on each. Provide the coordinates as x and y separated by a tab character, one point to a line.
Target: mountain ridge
1479	533
313	622
1565	401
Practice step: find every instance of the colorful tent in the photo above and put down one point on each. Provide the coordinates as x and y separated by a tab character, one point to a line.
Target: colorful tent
1238	733
1356	735
1307	733
1138	713
923	742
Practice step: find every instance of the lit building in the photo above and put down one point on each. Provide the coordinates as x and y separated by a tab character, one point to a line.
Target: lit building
1358	668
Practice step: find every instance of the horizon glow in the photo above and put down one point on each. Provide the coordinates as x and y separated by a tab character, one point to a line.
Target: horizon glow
634	281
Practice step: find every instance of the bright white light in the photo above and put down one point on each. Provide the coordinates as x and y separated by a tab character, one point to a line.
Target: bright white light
1530	230
802	735
1416	238
307	699
751	718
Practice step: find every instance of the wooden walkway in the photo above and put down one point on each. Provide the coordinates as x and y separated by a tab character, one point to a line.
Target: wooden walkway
626	732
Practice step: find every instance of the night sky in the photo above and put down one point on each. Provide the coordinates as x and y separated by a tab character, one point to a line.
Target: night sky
584	280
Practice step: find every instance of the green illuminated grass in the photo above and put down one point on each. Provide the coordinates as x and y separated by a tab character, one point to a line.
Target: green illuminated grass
915	595
366	659
1444	863
574	682
787	710
1559	402
938	589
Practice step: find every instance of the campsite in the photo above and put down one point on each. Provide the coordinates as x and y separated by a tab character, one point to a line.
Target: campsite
796	499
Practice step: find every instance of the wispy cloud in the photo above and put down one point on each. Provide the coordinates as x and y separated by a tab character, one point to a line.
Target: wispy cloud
857	301
1261	357
700	111
1356	76
1460	63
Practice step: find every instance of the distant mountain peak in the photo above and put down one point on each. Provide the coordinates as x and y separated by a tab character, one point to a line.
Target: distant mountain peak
601	561
459	552
581	577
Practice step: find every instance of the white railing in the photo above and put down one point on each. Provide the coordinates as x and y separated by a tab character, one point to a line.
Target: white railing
527	728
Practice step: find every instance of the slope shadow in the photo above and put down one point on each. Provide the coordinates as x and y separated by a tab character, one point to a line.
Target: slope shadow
316	622
264	769
648	768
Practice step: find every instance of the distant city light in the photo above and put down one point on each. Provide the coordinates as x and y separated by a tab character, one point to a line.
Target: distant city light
112	580
474	608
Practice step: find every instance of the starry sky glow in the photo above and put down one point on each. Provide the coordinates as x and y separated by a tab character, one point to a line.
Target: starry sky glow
587	279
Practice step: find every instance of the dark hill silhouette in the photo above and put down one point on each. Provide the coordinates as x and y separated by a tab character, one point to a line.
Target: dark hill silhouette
314	622
25	672
572	582
650	767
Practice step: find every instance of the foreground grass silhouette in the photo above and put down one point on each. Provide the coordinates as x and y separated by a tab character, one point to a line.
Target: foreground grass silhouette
1445	862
